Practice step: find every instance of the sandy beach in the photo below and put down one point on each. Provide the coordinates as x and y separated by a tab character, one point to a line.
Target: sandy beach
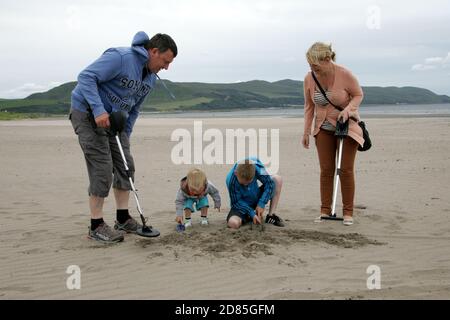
402	220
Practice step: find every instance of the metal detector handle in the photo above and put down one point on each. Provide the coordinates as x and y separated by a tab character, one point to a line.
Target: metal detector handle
130	178
338	172
341	128
122	154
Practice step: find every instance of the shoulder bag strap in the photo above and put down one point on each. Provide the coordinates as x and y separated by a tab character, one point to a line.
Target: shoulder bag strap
325	95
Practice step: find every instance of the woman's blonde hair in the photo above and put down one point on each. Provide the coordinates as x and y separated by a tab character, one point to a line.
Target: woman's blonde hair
246	170
196	179
319	51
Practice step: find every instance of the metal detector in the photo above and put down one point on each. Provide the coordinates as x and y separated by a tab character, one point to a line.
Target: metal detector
118	121
341	133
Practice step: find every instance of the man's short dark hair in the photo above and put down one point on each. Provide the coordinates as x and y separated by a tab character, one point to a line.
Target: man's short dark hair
162	42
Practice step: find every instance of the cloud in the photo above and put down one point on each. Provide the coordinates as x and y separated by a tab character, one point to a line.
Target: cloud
225	40
433	63
435	60
27	89
422	67
446	61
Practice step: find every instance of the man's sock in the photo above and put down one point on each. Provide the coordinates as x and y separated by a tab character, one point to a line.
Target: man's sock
122	215
95	223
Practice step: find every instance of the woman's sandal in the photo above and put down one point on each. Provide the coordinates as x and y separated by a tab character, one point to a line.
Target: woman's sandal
319	219
348	221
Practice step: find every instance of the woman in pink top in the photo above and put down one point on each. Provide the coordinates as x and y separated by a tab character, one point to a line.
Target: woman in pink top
342	88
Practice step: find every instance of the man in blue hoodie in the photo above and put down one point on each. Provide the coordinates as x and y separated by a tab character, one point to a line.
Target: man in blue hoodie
120	79
248	198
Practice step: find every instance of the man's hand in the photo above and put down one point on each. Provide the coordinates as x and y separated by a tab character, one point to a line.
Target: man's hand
102	120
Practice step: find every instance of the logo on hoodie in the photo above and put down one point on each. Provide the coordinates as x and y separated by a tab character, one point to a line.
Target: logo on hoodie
137	86
137	90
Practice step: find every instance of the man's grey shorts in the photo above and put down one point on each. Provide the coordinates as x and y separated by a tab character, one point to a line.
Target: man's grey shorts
101	152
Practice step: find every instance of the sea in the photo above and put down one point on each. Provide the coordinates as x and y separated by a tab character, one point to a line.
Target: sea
366	111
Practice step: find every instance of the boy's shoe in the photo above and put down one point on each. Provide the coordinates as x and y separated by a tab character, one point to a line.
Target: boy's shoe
129	226
204	221
180	227
188	223
105	233
275	220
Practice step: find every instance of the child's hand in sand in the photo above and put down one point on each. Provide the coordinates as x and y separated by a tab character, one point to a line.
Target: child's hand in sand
259	212
179	219
256	219
218	209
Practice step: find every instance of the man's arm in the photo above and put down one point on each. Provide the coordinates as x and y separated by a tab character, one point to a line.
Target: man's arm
105	68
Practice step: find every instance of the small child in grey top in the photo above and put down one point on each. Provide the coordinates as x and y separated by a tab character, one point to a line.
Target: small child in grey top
192	196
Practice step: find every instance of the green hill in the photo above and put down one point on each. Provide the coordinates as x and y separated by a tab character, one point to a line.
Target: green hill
223	96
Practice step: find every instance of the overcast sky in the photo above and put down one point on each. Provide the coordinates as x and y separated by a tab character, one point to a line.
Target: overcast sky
385	43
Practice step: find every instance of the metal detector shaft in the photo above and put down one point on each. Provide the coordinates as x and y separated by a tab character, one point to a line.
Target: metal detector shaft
131	180
338	172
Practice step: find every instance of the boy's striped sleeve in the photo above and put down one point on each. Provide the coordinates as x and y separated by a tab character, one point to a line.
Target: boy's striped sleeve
236	201
269	186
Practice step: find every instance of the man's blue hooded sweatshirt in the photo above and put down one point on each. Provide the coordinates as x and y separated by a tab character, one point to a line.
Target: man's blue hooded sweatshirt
118	80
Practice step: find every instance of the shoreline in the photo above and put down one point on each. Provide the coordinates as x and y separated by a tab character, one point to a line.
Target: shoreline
366	111
58	121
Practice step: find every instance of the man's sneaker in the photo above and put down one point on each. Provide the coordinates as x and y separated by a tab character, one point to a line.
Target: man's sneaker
275	220
204	221
188	223
105	233
129	226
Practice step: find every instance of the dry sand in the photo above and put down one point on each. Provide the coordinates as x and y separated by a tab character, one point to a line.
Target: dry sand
402	220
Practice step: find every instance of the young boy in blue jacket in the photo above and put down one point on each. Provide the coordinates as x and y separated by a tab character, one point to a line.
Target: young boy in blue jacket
248	199
120	79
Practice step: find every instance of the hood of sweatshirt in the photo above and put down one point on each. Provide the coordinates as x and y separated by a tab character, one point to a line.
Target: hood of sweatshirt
137	45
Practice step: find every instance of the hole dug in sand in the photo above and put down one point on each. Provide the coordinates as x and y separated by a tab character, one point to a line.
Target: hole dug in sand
223	242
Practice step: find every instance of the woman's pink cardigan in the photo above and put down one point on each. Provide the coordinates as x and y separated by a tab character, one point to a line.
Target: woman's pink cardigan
345	93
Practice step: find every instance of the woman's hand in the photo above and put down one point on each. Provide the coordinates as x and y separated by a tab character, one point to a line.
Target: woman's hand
344	115
348	114
305	141
354	115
